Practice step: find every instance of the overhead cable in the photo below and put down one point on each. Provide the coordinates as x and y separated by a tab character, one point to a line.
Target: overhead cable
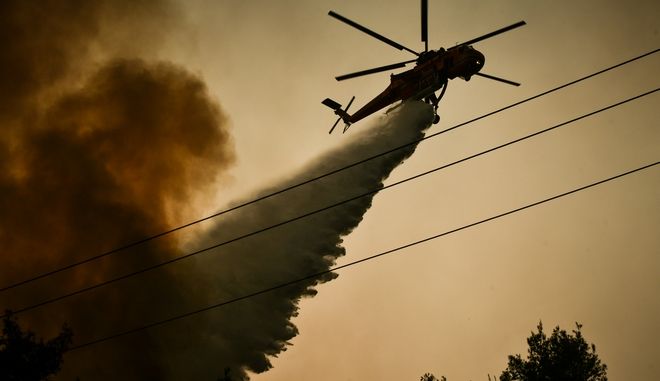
363	260
286	189
371	192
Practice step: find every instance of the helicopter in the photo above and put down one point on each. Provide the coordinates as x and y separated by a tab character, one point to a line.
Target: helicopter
432	72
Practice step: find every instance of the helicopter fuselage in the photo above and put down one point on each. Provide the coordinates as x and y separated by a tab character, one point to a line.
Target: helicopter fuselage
432	71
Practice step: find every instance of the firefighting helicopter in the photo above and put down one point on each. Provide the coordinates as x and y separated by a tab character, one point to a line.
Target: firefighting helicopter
433	69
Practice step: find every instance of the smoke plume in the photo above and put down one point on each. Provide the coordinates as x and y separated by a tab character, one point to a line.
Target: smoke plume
99	146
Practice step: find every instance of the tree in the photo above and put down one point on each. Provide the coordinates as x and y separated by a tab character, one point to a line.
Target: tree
24	357
430	377
561	356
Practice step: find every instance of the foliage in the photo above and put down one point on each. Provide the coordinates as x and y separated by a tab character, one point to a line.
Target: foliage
430	377
561	356
24	357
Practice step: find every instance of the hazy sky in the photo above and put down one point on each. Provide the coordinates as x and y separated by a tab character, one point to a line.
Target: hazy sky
459	305
456	306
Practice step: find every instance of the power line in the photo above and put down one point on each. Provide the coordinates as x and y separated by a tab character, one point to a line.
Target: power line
371	192
286	189
321	273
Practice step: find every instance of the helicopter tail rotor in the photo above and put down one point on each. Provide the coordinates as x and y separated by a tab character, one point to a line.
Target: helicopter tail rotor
343	114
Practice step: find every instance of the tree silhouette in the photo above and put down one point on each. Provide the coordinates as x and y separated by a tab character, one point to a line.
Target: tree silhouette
430	377
562	356
24	357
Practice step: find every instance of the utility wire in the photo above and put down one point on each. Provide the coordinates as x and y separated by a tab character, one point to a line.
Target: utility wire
173	260
164	233
320	273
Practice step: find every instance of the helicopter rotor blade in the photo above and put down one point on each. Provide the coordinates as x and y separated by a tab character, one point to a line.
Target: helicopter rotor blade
495	33
374	70
425	24
370	32
498	79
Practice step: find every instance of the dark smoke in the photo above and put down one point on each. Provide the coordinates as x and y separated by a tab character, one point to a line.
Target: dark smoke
110	163
38	43
96	150
49	42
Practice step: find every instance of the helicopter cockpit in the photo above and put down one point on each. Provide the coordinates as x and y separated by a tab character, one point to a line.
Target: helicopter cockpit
470	62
